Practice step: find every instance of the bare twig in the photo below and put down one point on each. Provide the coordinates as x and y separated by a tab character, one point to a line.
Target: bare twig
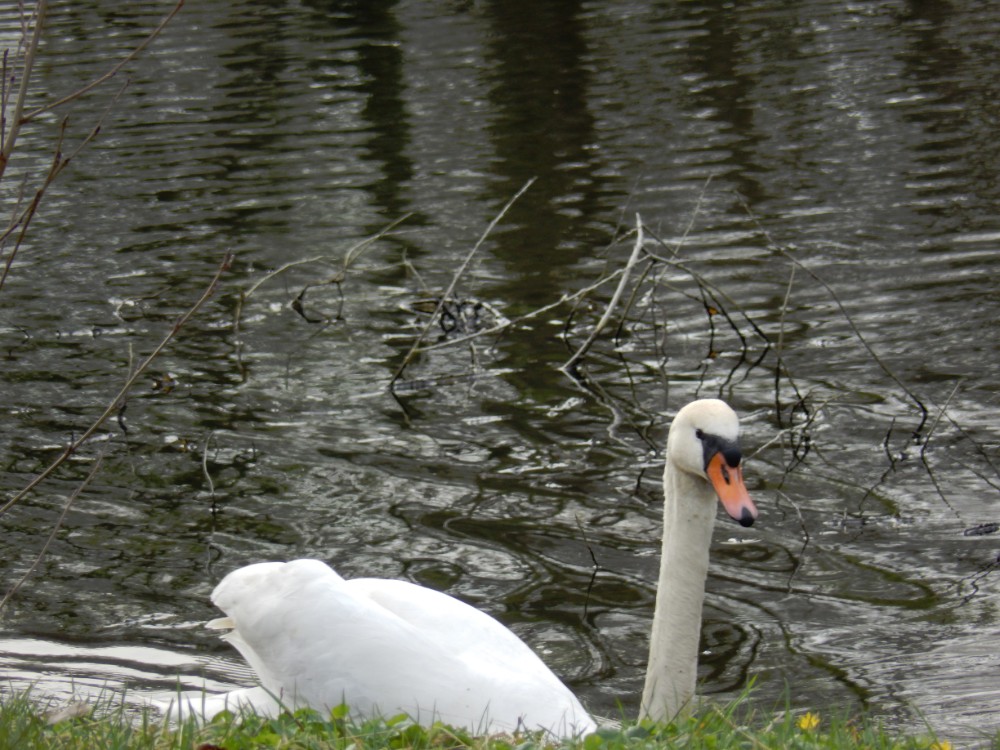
415	348
59	163
779	347
10	126
805	541
630	303
119	398
17	119
353	253
112	72
927	440
55	529
937	420
579	294
847	317
204	463
694	215
716	293
864	342
571	364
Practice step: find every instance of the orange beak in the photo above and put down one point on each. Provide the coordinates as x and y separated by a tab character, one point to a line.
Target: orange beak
728	483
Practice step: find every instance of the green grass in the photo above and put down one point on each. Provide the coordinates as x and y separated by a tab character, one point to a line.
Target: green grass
25	724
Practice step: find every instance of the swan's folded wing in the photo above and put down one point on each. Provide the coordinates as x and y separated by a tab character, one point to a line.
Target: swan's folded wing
460	628
511	679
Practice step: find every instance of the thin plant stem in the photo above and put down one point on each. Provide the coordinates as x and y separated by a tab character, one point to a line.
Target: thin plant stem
527	316
847	317
571	364
352	254
17	119
55	529
119	399
112	72
59	163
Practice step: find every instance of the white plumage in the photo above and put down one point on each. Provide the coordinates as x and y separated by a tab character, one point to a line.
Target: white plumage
383	647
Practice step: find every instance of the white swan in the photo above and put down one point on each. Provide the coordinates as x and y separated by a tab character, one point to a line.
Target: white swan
383	647
388	647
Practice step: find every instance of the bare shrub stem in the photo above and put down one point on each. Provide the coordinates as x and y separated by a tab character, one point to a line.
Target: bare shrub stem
17	119
415	348
115	404
55	529
112	72
571	364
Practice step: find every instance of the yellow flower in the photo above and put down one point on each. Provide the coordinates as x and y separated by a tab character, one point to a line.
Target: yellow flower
940	745
809	721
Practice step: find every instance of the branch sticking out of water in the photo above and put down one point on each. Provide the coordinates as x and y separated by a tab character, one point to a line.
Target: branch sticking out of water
415	348
353	253
115	405
579	294
847	317
573	361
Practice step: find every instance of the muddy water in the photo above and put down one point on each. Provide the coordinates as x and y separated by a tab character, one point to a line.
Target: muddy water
818	189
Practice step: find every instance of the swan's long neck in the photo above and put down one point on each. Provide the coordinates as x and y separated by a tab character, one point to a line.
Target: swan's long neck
688	517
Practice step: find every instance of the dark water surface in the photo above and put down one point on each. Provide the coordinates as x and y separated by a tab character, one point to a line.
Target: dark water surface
819	181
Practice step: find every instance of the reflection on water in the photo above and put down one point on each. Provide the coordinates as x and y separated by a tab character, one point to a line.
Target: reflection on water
818	186
61	673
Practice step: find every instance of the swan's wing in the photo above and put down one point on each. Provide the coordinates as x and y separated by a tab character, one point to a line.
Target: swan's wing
388	647
508	669
467	631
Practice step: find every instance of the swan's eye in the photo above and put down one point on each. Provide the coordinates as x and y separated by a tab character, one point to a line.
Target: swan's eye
699	434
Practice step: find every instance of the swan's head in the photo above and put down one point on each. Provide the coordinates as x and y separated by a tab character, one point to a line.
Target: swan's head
704	440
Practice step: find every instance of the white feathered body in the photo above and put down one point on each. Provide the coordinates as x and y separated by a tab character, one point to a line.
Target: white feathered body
384	647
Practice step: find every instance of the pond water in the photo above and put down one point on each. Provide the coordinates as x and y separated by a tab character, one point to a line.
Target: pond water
817	183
